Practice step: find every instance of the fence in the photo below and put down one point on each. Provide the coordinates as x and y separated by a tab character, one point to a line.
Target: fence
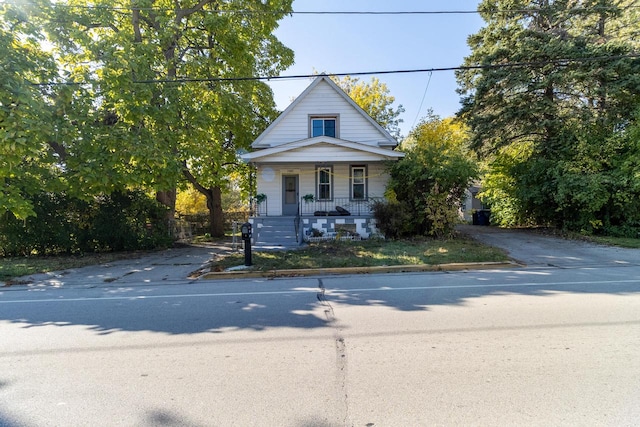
197	224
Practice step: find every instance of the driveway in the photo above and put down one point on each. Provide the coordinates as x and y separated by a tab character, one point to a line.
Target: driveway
536	249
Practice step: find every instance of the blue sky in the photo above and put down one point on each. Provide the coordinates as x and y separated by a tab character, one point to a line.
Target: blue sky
358	43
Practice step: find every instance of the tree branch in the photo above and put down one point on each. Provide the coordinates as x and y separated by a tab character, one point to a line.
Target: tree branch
59	149
192	179
181	13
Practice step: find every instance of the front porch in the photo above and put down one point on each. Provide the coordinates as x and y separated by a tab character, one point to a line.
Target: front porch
282	232
338	206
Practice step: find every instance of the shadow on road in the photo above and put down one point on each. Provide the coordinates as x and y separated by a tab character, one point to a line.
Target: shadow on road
6	420
298	303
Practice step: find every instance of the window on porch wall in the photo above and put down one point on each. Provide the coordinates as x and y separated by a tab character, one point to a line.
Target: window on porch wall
324	179
358	183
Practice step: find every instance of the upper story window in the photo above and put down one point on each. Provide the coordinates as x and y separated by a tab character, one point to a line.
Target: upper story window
324	126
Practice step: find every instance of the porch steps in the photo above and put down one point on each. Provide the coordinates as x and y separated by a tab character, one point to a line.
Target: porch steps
274	232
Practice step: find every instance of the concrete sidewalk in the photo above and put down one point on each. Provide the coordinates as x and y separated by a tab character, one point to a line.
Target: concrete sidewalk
170	265
175	265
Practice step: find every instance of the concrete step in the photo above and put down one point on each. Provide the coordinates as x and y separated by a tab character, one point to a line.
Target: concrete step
274	232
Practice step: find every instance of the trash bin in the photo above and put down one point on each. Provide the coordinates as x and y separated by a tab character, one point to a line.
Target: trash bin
484	217
474	218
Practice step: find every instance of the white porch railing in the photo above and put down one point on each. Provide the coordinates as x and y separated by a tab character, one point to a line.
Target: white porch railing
328	207
322	207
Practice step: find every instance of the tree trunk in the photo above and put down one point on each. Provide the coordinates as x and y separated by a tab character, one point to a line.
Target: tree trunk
214	203
216	216
168	198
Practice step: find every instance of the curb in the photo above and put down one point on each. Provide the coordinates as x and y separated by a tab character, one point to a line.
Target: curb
270	274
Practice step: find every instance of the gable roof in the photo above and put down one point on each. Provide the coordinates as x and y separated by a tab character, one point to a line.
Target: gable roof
387	139
382	152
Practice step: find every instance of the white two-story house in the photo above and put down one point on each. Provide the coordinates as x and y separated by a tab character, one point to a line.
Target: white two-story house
319	166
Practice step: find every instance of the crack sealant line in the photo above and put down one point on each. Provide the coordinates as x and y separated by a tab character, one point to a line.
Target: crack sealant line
341	354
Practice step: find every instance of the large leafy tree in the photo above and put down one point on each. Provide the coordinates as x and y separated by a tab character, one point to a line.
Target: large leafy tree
26	165
155	99
575	90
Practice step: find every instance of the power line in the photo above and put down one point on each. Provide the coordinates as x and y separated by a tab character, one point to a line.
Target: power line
560	62
424	95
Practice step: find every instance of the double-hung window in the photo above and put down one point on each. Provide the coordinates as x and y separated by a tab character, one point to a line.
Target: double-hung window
358	182
324	178
324	126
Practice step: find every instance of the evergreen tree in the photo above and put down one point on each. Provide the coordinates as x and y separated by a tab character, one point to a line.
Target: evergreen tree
560	82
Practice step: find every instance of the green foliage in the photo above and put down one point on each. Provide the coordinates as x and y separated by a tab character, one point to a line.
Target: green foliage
440	213
430	182
126	123
68	225
393	218
555	132
25	120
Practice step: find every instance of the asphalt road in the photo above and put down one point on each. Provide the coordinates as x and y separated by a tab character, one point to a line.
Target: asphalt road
524	346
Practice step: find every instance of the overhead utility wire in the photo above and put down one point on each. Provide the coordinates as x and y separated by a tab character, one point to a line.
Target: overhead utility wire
561	62
424	95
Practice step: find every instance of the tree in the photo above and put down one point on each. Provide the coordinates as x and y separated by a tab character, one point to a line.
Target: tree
430	181
575	92
375	100
25	120
154	98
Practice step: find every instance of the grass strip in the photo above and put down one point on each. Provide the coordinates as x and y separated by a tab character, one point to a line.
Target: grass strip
368	253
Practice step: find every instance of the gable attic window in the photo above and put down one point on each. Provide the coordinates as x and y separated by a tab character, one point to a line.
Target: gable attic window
324	126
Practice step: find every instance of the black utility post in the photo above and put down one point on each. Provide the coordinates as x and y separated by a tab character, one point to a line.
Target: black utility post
246	236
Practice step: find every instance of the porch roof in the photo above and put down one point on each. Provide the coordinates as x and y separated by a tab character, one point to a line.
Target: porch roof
380	153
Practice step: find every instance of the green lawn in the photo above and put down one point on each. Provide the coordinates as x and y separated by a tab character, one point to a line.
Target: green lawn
369	253
624	242
320	255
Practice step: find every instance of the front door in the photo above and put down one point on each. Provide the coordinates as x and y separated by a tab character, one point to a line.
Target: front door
290	195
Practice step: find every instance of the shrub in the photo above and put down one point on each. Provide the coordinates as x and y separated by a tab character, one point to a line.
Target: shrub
393	219
430	181
122	221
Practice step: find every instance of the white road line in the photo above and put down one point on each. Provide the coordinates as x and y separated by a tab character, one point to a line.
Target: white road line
329	291
495	285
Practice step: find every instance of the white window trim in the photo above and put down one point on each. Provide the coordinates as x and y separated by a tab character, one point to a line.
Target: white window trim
352	183
330	170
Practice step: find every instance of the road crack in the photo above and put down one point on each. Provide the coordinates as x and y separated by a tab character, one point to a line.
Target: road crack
342	365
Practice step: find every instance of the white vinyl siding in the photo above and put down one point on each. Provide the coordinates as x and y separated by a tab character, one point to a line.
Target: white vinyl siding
323	101
375	173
